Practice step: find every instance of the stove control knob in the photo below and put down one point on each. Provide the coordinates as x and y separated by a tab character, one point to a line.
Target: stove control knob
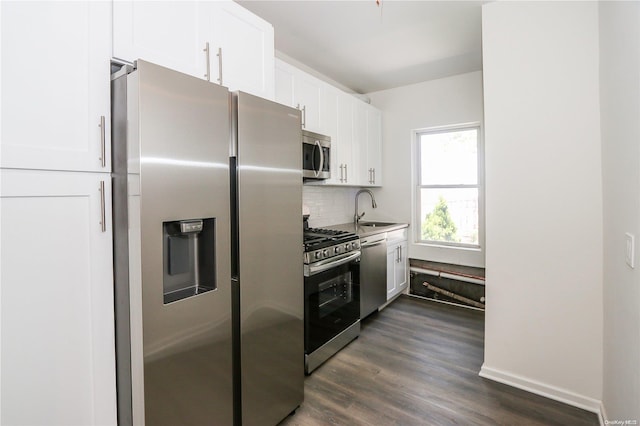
325	253
354	245
317	255
337	250
347	247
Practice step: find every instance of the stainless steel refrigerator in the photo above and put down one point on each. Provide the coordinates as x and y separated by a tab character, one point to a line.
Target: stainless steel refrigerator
207	245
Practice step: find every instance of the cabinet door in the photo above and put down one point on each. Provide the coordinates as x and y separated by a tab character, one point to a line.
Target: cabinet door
401	276
345	156
168	33
307	97
392	262
329	112
284	83
374	146
242	52
55	85
58	360
360	131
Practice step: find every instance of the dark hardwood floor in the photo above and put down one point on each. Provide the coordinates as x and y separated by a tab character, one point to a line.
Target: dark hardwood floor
416	363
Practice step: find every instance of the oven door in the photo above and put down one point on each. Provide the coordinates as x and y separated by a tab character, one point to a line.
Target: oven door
332	303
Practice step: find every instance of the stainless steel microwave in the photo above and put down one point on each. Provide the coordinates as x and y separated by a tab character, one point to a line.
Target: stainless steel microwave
316	155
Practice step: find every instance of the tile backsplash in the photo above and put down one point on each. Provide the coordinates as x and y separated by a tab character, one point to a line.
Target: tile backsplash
329	205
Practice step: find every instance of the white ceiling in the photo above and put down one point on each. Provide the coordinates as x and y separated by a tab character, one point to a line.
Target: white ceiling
367	47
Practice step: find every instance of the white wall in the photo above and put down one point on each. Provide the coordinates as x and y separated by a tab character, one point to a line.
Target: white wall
620	120
446	101
543	326
330	205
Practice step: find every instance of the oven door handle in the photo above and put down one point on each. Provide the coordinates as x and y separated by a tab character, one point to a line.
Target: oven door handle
332	263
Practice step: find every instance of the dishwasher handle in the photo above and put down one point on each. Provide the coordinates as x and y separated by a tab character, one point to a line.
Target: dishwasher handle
373	244
373	240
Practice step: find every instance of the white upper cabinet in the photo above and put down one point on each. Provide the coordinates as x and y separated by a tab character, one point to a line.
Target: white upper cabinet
57	334
355	127
347	164
241	50
55	85
298	89
169	33
329	113
374	146
368	137
218	41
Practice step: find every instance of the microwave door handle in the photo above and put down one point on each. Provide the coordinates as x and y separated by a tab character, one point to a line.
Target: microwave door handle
317	172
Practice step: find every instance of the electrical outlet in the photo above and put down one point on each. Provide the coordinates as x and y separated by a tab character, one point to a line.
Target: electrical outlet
630	249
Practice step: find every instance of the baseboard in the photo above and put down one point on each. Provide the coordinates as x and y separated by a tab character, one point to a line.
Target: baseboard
604	419
542	389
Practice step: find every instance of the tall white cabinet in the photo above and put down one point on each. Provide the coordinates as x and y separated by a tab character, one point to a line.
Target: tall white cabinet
57	363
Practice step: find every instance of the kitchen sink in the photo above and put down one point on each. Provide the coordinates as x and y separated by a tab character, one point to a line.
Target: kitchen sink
376	224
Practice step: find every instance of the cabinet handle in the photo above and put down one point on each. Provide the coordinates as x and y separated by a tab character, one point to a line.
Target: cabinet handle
346	174
207	57
374	175
103	222
400	260
220	65
304	116
341	173
103	158
369	175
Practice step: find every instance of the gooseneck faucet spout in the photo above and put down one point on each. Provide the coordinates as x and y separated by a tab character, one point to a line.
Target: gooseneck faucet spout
357	216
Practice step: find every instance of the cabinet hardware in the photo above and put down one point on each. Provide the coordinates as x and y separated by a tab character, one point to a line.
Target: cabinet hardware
341	173
346	174
103	158
220	65
373	171
103	222
207	54
304	116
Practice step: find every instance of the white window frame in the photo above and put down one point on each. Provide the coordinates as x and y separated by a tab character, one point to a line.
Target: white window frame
416	187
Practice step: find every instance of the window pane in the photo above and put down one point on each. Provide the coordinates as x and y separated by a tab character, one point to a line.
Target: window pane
449	215
449	158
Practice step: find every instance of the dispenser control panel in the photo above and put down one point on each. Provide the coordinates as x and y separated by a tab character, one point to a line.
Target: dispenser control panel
190	226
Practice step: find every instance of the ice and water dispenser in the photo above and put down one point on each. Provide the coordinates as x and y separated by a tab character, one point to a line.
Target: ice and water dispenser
188	258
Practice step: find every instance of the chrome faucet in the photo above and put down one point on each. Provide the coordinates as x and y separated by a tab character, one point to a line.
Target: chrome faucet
356	216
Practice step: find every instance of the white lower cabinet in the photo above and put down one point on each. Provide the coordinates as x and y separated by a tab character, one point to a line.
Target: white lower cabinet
397	262
56	298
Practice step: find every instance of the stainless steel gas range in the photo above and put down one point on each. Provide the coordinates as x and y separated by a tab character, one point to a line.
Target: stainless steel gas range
331	293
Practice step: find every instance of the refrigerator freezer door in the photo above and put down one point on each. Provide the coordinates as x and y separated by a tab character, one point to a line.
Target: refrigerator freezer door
269	157
180	130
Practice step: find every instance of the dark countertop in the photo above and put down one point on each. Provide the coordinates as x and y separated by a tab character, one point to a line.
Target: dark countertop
365	231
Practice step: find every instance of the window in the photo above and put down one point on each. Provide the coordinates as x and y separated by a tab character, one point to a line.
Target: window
449	186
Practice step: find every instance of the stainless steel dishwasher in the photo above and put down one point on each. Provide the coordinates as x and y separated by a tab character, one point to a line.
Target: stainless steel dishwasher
373	273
